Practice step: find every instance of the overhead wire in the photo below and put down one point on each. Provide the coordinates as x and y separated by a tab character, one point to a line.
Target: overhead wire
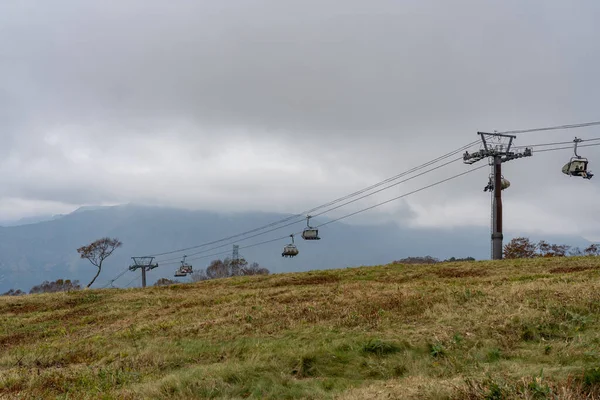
328	210
354	194
551	128
304	213
554	143
567	147
110	282
353	213
133	280
381	203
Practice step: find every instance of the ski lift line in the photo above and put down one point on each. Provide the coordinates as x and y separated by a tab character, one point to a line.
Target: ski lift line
351	214
402	196
228	252
567	147
329	209
110	282
230	243
556	143
385	188
385	202
325	205
302	215
552	128
133	280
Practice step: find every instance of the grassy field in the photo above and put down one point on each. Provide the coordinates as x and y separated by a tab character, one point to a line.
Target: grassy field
510	329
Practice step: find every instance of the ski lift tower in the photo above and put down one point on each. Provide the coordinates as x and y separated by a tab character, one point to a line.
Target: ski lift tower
143	263
497	148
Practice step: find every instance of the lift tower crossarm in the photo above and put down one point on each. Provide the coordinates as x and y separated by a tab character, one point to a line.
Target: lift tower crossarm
145	264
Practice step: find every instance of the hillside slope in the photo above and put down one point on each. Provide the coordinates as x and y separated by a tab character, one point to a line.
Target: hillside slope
518	329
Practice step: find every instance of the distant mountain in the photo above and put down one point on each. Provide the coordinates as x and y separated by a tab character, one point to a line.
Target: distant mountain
31	220
32	253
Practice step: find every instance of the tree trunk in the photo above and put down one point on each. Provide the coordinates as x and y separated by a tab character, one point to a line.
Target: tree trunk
92	282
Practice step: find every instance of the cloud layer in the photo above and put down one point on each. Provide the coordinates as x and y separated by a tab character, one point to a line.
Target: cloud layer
278	106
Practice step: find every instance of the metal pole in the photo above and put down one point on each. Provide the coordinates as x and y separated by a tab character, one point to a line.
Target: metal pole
497	234
143	276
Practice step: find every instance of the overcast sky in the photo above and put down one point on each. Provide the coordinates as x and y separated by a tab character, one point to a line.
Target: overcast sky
282	105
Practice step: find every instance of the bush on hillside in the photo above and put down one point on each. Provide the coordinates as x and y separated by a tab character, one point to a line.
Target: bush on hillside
164	282
522	247
430	260
57	286
417	260
228	267
199	276
13	292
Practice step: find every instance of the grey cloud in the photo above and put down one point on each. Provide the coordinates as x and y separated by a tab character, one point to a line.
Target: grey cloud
351	91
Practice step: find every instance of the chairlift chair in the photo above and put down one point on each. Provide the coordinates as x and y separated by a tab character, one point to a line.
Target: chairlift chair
310	233
184	269
290	250
179	273
577	165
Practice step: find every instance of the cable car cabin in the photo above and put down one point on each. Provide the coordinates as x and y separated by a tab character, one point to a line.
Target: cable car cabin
310	234
179	273
577	167
186	269
290	251
183	270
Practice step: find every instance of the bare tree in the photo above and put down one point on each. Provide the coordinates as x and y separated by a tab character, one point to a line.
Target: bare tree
97	251
592	250
199	275
575	252
13	292
254	269
164	282
217	269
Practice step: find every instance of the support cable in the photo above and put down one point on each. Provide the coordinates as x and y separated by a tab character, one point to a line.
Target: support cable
353	213
552	128
328	210
304	213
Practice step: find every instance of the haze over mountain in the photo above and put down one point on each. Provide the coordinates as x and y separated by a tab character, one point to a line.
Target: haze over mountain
32	253
275	106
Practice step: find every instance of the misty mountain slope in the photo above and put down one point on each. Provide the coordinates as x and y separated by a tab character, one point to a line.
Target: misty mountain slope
30	254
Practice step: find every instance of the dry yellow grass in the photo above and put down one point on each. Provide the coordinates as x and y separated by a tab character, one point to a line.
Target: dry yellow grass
510	329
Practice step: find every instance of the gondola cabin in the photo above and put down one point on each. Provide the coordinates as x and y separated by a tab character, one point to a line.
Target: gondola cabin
290	251
577	167
310	234
179	273
184	269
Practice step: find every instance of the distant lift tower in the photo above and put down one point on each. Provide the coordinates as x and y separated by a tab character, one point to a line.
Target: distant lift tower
498	149
143	263
235	256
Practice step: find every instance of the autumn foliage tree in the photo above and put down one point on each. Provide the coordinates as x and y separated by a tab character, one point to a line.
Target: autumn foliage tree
98	251
592	250
164	282
60	285
228	267
254	269
522	247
